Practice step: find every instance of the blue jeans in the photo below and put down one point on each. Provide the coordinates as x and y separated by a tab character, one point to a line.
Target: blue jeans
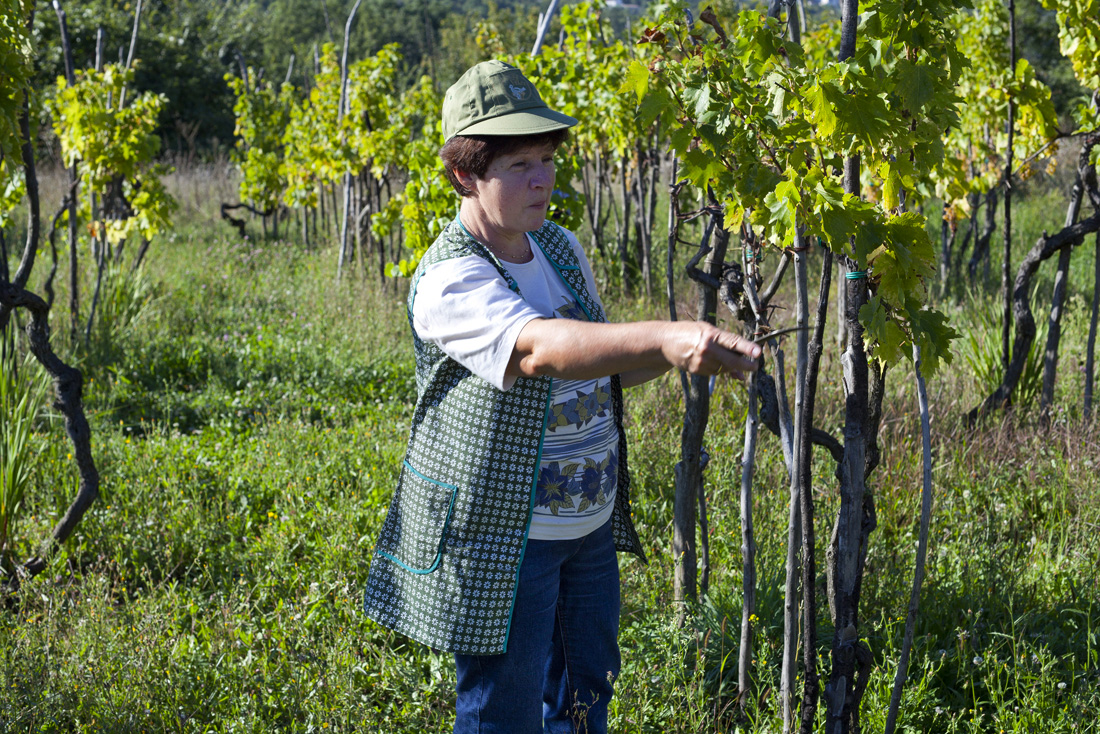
563	650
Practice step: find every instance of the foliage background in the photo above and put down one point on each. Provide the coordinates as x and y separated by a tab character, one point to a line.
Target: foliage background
249	415
186	47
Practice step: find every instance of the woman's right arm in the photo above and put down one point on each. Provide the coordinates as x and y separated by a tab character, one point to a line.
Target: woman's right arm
637	351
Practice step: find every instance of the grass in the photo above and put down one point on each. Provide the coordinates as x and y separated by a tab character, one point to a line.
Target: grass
249	416
23	393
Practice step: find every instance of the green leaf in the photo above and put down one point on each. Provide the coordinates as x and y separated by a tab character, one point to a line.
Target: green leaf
699	99
783	205
824	116
933	335
636	80
916	84
700	167
654	104
885	336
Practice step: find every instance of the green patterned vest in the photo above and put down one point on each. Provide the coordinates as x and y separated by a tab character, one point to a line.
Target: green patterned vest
445	566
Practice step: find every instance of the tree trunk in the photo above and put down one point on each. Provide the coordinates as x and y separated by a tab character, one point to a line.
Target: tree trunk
1054	335
971	235
590	189
841	306
101	263
981	245
624	230
796	533
804	426
74	264
704	527
67	380
784	424
654	162
334	207
840	691
922	547
849	524
381	244
1006	265
1057	306
140	256
748	549
947	241
1090	349
638	190
689	475
544	25
74	258
345	255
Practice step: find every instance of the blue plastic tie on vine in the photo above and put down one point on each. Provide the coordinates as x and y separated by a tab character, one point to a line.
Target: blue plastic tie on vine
856	275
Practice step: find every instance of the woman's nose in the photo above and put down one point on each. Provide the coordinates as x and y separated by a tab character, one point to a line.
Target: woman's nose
543	176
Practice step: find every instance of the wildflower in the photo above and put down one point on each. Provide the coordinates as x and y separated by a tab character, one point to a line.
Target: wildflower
977	660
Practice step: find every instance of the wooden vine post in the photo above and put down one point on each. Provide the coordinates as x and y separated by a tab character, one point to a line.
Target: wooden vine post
341	109
70	202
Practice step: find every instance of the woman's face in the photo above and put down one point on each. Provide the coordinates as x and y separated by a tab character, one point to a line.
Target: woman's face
512	196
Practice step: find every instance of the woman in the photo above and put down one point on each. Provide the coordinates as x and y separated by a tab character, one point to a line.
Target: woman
500	542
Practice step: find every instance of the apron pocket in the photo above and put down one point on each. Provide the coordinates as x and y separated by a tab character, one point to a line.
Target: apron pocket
414	533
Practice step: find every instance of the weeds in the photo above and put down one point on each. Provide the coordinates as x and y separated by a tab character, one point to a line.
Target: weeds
981	350
23	390
248	421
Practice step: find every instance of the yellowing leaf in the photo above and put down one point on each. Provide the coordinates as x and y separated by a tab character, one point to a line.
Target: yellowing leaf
636	80
891	186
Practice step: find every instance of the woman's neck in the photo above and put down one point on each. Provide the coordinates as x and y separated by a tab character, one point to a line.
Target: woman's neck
509	247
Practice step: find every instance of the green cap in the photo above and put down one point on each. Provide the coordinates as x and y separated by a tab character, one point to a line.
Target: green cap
493	98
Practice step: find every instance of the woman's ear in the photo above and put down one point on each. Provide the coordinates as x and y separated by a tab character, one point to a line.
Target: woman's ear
465	178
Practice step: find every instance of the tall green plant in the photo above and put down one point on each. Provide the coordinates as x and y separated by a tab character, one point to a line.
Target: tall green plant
126	296
981	350
23	391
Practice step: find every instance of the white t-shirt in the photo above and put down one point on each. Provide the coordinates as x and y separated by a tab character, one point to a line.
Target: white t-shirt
464	307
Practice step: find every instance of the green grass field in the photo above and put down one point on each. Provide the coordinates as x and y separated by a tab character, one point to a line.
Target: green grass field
249	417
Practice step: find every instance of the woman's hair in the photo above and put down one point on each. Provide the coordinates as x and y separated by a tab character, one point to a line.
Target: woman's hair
474	153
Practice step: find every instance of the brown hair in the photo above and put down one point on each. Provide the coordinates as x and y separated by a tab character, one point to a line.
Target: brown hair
474	153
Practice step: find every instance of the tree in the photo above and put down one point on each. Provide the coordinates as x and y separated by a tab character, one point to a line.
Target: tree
773	136
16	144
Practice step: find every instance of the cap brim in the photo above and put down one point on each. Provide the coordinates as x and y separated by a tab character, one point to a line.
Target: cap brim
526	122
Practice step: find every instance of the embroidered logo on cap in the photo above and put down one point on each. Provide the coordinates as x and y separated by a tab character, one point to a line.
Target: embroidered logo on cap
519	93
